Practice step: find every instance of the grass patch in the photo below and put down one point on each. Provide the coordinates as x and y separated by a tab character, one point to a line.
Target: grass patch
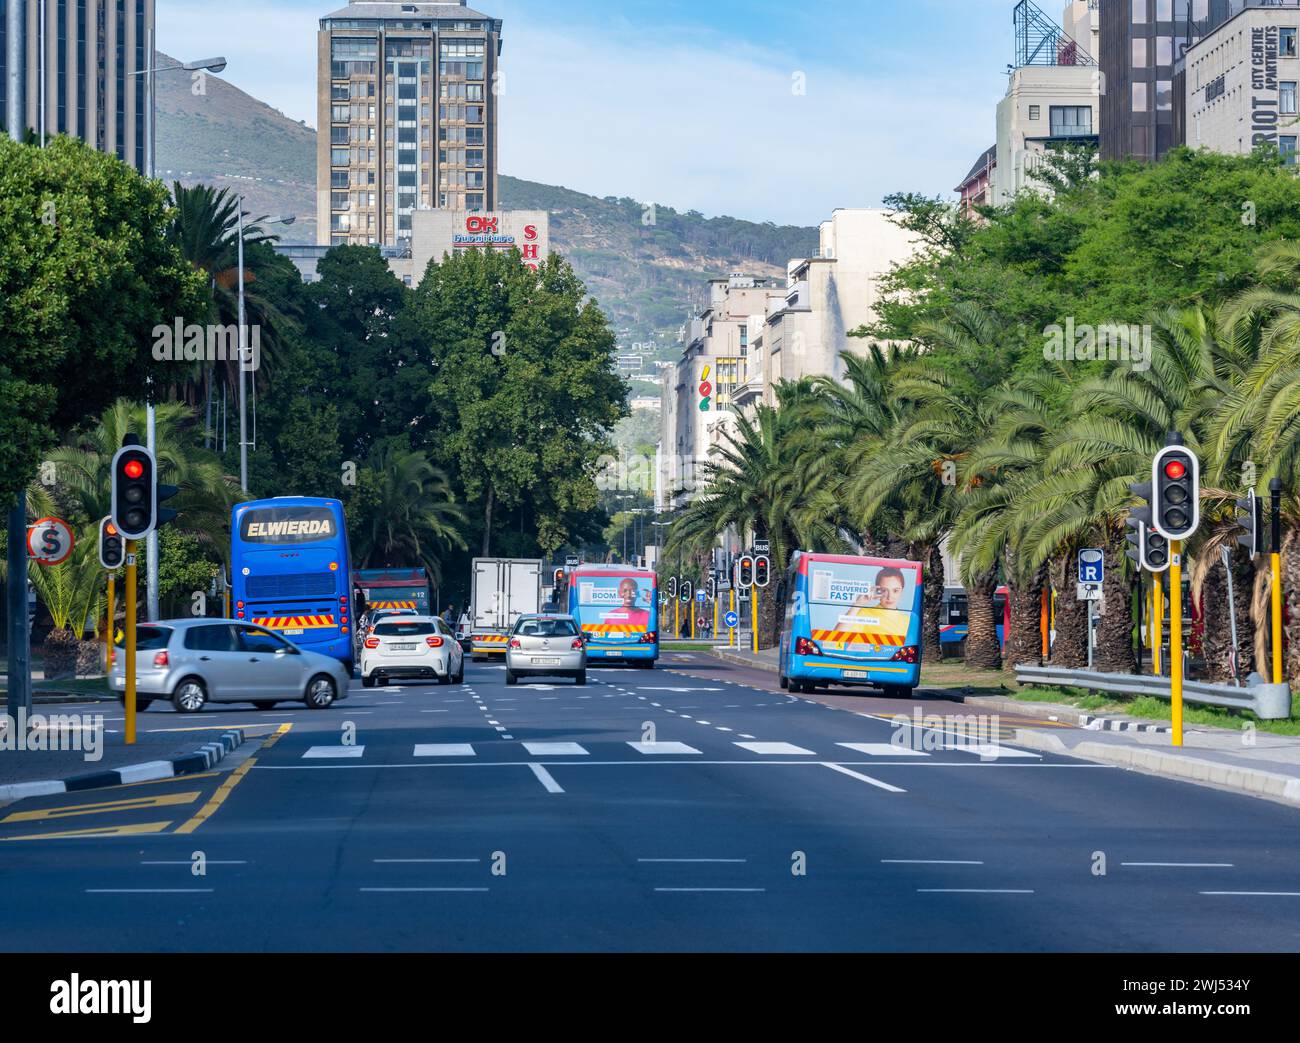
692	646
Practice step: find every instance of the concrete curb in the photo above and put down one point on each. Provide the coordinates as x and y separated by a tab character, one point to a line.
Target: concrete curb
205	757
727	655
1251	782
1067	714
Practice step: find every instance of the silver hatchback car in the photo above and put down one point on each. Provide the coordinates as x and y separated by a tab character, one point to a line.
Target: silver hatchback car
546	645
191	662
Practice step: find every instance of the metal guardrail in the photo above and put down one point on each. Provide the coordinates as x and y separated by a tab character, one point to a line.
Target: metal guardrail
1269	702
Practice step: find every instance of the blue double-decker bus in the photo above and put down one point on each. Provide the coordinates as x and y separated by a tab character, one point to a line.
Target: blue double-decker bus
291	572
617	609
852	620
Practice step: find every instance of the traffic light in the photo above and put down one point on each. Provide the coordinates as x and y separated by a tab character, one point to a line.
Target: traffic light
1175	482
745	566
1250	516
112	548
762	570
672	586
1147	548
687	590
134	481
712	588
559	579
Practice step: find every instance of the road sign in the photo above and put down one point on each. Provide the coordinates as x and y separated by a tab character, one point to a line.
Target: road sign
762	546
699	596
699	622
732	620
50	541
1088	592
1092	566
571	562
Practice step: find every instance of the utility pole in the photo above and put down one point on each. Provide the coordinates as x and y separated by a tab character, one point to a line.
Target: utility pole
20	661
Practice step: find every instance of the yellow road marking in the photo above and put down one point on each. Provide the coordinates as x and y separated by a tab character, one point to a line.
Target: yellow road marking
214	727
175	778
126	804
99	831
227	787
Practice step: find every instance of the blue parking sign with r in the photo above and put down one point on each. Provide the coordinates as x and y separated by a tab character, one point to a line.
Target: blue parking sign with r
1092	566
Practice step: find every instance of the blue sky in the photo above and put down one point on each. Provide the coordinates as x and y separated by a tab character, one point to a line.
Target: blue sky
692	103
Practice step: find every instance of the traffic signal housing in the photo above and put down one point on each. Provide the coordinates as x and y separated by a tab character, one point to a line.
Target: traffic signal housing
134	490
745	570
112	548
1147	548
1176	492
672	586
687	590
1250	516
712	588
762	570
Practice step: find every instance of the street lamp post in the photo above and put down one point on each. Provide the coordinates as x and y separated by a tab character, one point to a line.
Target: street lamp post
287	219
150	73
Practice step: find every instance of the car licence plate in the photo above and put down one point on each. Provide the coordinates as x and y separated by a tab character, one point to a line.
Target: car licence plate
402	648
545	662
856	673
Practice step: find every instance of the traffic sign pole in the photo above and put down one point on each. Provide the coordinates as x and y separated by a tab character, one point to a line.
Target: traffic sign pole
129	649
691	611
731	639
1176	637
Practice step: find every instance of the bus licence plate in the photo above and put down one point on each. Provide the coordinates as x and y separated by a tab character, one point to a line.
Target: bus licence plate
297	631
856	674
614	651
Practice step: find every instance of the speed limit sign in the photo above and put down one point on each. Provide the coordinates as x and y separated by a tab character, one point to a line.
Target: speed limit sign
49	541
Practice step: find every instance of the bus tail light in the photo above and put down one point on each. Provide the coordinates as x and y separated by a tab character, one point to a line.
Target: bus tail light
649	637
160	659
803	646
372	642
239	615
906	654
433	642
239	604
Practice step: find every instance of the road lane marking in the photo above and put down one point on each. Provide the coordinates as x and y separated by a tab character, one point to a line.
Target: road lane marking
693	860
227	787
186	862
555	749
930	862
862	778
1181	865
334	752
881	749
662	747
444	749
148	890
973	891
422	861
546	779
774	749
160	800
711	890
100	831
419	890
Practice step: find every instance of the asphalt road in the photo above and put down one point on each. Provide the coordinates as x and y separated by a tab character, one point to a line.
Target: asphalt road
692	807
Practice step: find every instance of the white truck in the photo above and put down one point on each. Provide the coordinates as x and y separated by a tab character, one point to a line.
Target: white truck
501	590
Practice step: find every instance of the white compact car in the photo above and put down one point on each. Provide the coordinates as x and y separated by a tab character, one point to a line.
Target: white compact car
411	647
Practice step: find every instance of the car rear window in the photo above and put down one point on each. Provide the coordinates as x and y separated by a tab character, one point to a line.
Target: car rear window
399	629
147	638
547	628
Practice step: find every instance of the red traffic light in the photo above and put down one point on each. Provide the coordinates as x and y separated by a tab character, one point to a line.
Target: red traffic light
1175	469
133	468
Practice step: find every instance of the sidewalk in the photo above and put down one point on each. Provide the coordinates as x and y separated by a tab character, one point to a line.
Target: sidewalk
93	751
1258	764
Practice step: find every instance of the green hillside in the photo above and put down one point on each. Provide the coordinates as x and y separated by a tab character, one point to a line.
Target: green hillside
646	275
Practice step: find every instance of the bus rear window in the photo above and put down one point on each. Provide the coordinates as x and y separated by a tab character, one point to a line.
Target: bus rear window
288	525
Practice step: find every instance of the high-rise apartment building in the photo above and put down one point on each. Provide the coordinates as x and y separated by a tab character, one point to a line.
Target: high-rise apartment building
407	102
1142	41
88	51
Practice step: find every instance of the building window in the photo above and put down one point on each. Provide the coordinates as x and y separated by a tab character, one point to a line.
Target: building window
1140	12
1033	112
1164	50
338	201
1286	43
1286	98
339	157
1140	143
1286	146
338	179
1164	95
1214	89
1070	121
1164	10
1140	53
1139	97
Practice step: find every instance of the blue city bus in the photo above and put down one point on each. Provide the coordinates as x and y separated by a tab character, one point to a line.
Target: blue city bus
617	609
953	621
852	620
291	572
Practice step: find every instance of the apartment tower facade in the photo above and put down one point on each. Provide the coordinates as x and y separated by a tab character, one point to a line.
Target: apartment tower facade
88	51
407	102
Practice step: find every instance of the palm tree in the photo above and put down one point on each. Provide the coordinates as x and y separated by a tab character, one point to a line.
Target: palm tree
404	512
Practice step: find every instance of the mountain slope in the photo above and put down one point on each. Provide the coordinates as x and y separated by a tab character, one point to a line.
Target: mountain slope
645	268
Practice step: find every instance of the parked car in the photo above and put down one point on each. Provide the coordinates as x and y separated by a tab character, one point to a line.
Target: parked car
411	646
192	662
542	645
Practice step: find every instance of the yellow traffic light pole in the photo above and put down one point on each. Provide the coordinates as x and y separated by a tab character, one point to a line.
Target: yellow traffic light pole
108	629
753	615
1176	637
1157	623
1275	565
731	638
129	649
677	619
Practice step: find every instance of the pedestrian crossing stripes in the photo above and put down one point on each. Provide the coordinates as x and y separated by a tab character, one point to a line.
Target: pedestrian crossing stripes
758	748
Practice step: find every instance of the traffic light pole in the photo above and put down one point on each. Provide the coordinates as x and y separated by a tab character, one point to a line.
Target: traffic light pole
129	650
1176	637
753	615
731	638
108	628
1157	624
20	655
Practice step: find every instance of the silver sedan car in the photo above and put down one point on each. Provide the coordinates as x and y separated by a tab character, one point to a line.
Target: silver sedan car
191	662
546	645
